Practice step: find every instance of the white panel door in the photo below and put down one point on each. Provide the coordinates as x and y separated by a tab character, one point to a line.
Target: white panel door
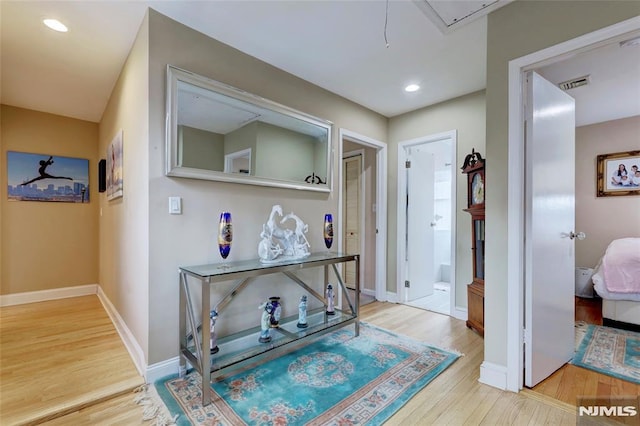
352	221
420	215
549	224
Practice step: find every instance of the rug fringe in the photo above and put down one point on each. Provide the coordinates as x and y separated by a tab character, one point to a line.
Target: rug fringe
581	328
154	409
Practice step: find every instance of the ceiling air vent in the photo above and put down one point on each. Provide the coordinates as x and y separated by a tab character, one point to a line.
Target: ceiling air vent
573	83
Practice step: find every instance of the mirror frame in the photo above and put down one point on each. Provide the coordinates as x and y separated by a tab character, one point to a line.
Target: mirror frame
174	169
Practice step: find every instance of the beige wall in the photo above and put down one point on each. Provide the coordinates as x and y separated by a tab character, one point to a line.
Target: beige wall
515	30
48	245
603	219
124	222
465	114
200	149
190	238
283	154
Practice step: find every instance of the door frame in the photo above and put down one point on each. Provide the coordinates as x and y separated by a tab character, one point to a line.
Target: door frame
513	379
401	226
361	212
381	204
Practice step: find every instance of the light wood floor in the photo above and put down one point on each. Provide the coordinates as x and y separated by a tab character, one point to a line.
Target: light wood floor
59	356
455	397
570	381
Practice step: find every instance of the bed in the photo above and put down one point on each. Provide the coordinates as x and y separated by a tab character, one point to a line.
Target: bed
616	279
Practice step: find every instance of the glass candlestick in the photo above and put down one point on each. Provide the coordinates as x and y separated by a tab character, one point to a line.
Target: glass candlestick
225	236
328	230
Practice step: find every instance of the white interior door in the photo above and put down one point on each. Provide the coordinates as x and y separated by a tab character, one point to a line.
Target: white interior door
549	224
420	222
352	191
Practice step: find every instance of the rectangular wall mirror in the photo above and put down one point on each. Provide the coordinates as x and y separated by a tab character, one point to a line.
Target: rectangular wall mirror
217	132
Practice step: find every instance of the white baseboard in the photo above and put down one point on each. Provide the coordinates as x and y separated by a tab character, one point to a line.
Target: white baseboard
493	375
460	313
392	297
162	369
368	292
129	340
44	295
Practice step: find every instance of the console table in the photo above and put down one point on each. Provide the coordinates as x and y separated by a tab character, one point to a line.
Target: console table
242	348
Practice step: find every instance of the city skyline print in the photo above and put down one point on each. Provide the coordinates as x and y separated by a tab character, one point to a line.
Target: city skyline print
114	167
46	177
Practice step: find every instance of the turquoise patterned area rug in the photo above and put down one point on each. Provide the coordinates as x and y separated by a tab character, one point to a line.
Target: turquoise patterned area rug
338	379
609	351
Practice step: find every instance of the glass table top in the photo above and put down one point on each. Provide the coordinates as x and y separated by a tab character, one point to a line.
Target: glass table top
228	268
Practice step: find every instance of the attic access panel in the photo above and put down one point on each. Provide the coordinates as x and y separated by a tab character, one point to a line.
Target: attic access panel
449	15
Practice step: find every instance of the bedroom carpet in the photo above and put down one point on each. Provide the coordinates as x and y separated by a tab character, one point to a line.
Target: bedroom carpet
338	379
609	351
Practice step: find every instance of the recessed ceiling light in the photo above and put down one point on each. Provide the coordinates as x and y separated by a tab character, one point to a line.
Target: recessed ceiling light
412	88
55	25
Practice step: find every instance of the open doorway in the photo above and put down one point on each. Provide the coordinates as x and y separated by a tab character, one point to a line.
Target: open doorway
517	265
426	235
362	212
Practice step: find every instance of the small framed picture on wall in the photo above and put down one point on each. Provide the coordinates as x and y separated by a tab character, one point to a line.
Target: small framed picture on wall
114	168
618	173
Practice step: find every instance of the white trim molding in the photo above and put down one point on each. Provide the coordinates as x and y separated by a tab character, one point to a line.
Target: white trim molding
127	337
44	295
493	375
460	313
162	369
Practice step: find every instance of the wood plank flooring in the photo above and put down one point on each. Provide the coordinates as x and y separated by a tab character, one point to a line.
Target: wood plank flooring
570	382
60	352
60	356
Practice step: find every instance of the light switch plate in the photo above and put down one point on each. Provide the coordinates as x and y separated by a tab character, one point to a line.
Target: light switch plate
175	205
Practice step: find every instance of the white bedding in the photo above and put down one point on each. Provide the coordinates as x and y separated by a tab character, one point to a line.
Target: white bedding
617	275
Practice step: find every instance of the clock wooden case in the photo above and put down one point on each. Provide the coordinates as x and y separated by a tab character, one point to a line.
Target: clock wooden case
474	167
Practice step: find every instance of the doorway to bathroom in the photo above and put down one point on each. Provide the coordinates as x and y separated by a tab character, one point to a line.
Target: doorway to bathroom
426	225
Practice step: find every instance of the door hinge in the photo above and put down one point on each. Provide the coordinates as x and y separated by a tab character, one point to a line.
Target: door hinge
407	164
407	283
526	337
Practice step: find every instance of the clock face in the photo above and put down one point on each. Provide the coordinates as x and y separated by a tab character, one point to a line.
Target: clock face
477	189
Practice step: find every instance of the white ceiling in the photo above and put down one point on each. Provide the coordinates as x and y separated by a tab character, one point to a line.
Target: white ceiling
613	91
337	45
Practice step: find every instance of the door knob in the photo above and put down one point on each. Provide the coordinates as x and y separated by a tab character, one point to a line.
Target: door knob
580	235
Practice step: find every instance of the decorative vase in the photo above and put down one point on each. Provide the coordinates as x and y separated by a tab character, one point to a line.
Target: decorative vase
265	329
225	234
302	312
330	301
328	230
276	311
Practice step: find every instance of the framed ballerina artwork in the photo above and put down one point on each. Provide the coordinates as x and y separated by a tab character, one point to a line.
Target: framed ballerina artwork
47	177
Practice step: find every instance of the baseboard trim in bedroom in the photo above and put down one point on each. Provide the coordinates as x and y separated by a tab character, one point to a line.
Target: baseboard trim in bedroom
620	324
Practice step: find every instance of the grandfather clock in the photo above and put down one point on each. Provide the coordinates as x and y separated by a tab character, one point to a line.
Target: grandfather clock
473	167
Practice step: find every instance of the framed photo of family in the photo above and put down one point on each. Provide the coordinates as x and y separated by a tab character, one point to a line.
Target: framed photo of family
618	173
